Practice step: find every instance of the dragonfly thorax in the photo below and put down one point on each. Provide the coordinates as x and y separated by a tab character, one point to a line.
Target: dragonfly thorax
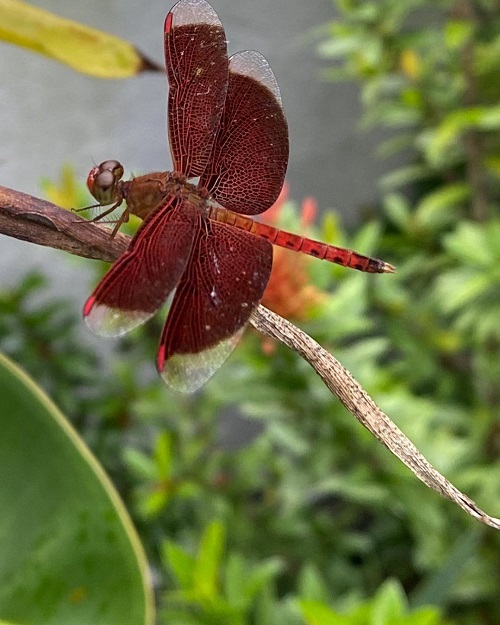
142	193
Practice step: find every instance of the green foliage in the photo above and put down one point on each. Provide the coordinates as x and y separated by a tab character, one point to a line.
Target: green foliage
306	505
66	541
388	607
44	337
212	590
259	499
428	71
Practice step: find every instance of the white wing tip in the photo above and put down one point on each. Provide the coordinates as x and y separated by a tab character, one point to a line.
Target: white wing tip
113	322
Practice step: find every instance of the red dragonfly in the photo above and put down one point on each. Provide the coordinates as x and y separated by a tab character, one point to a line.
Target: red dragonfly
197	245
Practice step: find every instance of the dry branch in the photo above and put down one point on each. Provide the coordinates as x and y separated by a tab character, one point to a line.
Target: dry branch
31	219
341	383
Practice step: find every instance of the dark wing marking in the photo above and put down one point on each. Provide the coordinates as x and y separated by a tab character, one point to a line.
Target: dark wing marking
224	281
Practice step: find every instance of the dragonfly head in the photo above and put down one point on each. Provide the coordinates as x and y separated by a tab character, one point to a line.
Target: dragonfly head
105	184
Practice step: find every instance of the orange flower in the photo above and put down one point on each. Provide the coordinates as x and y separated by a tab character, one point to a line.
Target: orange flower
272	213
308	212
289	292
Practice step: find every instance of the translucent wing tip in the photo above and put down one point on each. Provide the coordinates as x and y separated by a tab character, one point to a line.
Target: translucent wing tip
182	375
191	12
186	373
111	322
175	377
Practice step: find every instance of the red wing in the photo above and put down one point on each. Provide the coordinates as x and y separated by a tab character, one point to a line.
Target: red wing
140	281
225	279
248	165
197	70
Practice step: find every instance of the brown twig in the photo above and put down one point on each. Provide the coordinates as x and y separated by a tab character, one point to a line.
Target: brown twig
35	220
361	405
31	219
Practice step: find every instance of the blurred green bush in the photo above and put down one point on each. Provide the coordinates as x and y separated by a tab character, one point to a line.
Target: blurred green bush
260	499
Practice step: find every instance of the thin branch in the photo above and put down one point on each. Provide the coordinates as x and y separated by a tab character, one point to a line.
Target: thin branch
341	383
31	219
35	220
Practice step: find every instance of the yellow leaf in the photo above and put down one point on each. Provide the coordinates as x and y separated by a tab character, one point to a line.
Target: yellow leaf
66	192
410	64
85	49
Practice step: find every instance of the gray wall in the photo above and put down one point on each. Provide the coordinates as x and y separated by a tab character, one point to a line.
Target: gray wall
51	115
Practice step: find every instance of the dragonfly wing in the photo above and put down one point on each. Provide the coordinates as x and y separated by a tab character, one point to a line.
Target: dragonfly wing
225	280
197	71
186	373
140	281
250	156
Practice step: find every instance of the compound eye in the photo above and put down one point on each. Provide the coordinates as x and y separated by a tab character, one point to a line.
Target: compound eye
113	166
104	182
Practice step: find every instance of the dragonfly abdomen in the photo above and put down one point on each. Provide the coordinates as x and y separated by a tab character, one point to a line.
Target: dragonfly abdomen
288	240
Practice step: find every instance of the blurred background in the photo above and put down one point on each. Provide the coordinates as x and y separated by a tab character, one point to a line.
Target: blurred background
53	115
394	117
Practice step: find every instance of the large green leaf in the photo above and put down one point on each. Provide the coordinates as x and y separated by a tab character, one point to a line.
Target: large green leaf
85	49
68	551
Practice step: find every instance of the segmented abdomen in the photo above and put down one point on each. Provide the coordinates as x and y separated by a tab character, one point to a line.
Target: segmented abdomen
323	251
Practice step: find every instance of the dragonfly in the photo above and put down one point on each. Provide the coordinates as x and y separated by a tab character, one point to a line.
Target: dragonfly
198	246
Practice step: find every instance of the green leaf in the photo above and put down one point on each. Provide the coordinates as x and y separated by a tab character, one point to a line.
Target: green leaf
338	47
460	288
262	576
235	573
206	571
267	609
68	551
393	145
139	463
181	564
389	603
154	503
440	206
437	588
397	208
163	455
405	175
242	585
310	583
436	143
316	613
457	33
85	49
474	244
